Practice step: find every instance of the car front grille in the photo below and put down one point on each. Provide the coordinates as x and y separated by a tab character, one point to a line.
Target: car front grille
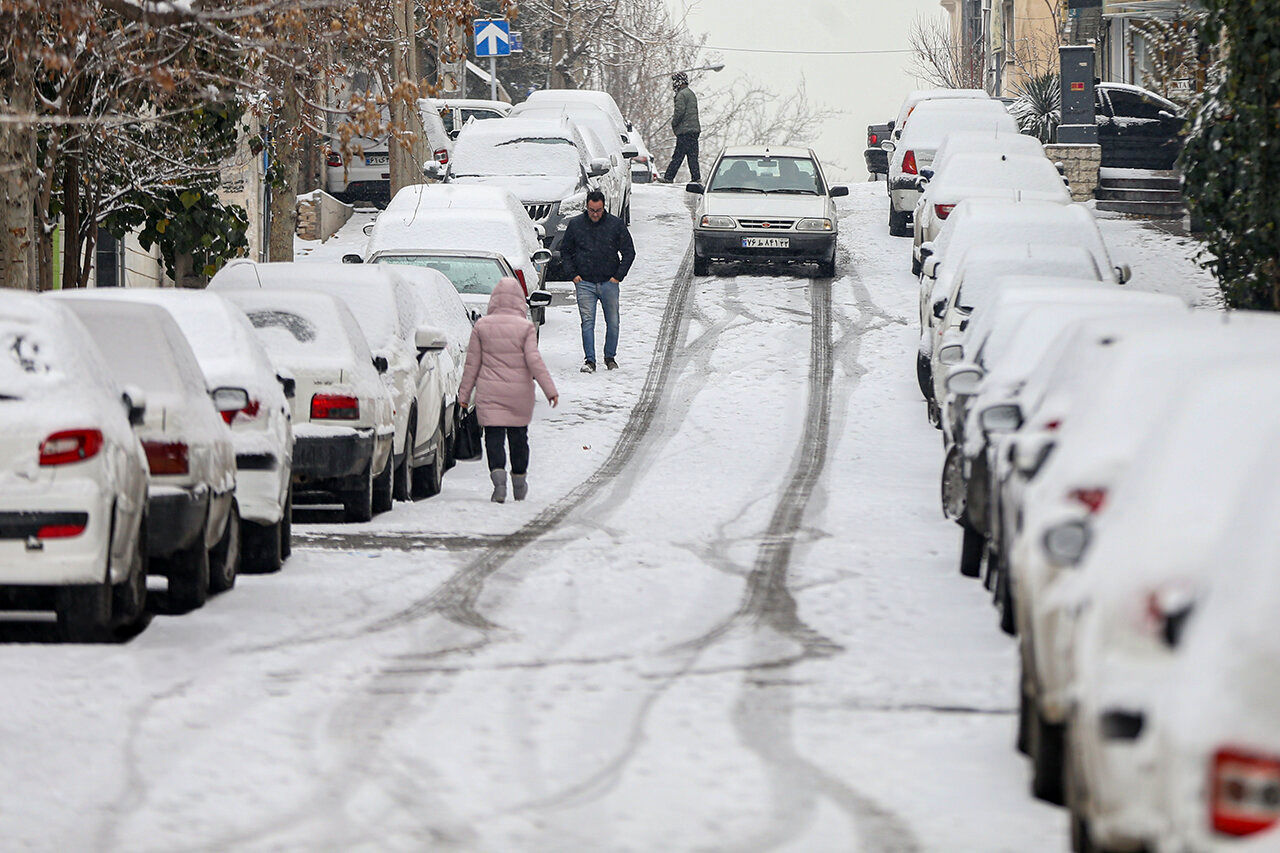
539	210
767	224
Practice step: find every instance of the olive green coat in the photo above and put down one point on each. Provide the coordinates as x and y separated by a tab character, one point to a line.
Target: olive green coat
685	118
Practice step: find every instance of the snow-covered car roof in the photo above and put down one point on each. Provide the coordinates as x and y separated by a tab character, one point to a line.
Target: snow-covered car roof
441	305
478	103
767	151
981	220
921	95
983	270
989	173
601	100
416	197
587	116
518	146
975	140
931	121
446	229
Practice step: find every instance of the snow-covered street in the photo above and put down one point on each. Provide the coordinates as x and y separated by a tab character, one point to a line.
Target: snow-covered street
728	617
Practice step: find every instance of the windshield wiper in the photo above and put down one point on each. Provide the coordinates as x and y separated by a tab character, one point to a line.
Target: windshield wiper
736	190
793	192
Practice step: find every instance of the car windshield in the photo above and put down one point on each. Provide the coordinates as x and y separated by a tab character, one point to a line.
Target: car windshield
793	175
479	157
468	275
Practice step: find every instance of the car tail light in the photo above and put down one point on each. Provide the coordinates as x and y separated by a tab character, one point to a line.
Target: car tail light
59	531
943	210
1244	792
334	159
1093	499
523	286
441	155
335	407
641	159
166	457
248	413
1052	426
872	140
909	164
73	445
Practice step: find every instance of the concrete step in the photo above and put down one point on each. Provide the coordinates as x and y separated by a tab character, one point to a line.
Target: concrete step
1152	183
1147	209
1108	193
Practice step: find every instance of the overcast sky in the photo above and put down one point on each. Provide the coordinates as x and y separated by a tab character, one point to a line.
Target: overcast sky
867	89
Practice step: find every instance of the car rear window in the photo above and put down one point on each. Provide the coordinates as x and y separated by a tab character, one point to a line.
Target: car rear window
290	332
468	275
793	175
29	360
142	356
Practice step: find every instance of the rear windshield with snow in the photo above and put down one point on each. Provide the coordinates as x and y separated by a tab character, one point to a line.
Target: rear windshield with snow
981	282
486	155
468	275
137	353
29	360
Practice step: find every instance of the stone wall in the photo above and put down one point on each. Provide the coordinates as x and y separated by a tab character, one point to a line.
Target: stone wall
320	215
1082	164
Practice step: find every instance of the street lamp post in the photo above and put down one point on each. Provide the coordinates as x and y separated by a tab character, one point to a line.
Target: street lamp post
719	67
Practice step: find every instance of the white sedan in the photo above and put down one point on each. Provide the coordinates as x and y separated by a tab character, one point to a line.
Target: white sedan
73	497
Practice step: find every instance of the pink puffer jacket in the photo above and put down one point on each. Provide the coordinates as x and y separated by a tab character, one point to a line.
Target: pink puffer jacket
503	361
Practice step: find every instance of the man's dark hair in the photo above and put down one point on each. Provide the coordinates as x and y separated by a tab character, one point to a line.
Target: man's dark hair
595	195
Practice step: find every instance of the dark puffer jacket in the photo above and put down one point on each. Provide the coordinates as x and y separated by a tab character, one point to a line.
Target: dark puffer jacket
597	251
685	117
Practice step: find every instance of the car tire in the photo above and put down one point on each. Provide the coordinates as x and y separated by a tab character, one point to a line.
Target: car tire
401	485
450	457
84	612
899	223
224	558
1004	596
1022	741
626	213
263	546
701	265
188	573
924	375
971	547
129	597
916	266
357	504
429	479
382	486
1045	741
827	269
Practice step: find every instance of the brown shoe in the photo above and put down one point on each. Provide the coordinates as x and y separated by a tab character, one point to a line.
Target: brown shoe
611	364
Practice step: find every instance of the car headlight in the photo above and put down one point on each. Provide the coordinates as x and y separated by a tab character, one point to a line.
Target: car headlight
573	204
718	222
813	225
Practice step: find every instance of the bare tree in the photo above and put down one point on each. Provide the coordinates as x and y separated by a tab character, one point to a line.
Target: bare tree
939	60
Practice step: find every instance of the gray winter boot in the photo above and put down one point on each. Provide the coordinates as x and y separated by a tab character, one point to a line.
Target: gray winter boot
519	486
499	479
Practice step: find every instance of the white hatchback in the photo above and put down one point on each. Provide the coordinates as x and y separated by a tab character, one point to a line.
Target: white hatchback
73	476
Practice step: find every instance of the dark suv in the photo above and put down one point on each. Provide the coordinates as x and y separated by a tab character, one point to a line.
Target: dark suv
877	158
1137	129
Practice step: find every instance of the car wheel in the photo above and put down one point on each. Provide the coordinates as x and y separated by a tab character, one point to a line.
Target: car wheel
899	223
916	266
84	612
357	504
626	213
1045	742
129	597
263	547
400	488
701	265
1004	597
924	375
224	559
971	546
827	269
429	479
188	573
286	526
382	486
450	458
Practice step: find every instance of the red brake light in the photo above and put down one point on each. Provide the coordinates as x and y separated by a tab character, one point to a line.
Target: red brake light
339	407
943	210
442	155
73	445
909	164
872	140
523	286
1093	499
334	159
1052	426
165	457
59	531
249	412
1244	792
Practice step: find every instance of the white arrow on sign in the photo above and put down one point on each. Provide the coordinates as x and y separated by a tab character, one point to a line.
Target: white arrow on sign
492	36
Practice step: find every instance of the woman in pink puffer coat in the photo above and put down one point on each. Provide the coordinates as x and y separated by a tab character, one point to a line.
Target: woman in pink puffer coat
503	362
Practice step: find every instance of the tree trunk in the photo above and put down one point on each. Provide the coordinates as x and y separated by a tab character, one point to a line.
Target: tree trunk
287	153
406	156
71	236
559	42
19	261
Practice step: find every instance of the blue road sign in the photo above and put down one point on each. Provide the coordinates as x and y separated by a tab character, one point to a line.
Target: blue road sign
517	42
493	38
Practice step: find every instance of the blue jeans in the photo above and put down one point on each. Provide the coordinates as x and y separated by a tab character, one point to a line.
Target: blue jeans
606	293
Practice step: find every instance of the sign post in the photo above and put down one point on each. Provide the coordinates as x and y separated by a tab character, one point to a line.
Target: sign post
493	39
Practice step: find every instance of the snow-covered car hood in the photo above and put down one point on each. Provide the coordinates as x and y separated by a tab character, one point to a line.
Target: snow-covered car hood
764	205
528	188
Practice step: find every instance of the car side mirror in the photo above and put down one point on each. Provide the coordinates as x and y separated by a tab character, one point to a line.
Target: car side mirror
1030	454
927	174
429	338
135	403
381	364
541	256
453	134
1172	608
1124	273
963	380
227	399
838	192
539	299
289	385
352	259
1066	543
540	231
433	169
630	151
695	188
888	145
926	250
598	168
951	354
929	266
939	309
1001	418
1166	114
368	229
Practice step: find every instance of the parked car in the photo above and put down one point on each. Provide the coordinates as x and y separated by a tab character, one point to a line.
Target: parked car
230	356
343	427
391	316
913	99
576	97
877	157
364	175
74	501
616	185
929	124
982	175
456	112
545	164
644	166
429	226
978	142
193	525
766	203
1137	128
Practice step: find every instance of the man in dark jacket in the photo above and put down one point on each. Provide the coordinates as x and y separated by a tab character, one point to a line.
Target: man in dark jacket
684	124
596	253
